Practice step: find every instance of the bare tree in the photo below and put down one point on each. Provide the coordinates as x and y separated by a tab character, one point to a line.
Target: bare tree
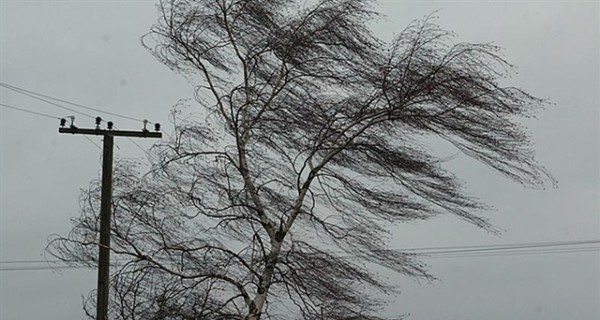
310	151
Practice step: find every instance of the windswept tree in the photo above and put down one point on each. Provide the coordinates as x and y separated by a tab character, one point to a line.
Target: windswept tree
281	184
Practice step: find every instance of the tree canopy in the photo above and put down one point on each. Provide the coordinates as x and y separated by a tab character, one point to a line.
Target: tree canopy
280	186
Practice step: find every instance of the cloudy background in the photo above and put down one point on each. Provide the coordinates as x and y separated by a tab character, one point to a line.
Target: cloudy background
89	52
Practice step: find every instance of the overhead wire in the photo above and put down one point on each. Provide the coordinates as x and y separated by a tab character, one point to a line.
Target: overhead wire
41	268
466	249
518	249
92	141
30	92
37	95
433	252
490	250
514	253
33	94
43	115
29	111
135	143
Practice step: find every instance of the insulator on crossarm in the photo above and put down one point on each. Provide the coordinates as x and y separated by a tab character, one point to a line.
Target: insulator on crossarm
63	121
72	122
98	121
145	124
157	127
109	125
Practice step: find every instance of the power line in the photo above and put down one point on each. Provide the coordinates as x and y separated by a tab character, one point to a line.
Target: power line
495	250
449	252
30	92
427	250
33	94
29	111
515	253
135	143
92	141
42	115
41	268
471	249
535	252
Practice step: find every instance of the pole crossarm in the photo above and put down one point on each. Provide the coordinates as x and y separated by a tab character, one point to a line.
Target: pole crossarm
114	133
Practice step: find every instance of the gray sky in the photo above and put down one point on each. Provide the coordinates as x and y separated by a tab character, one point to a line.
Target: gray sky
89	52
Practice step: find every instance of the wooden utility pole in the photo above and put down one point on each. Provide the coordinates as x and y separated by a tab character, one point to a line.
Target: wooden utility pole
105	202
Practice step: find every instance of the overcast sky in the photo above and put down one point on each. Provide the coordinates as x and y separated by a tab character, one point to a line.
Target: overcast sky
89	52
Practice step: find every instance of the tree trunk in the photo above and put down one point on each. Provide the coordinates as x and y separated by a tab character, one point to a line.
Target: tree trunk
262	291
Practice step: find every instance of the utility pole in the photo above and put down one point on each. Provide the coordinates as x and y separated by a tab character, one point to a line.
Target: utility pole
106	198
